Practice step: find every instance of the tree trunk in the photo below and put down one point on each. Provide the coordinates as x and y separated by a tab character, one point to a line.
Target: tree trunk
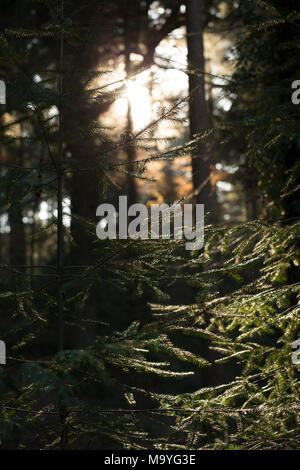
131	150
16	236
199	119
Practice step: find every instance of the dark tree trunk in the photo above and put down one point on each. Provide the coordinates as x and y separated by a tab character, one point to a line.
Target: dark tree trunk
199	119
131	150
85	197
17	235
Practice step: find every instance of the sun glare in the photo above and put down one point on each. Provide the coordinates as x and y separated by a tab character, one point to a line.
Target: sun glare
138	94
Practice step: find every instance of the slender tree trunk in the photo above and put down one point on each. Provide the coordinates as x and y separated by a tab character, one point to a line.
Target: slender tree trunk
199	120
131	150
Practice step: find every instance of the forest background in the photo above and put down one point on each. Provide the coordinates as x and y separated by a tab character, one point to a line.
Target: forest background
140	344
